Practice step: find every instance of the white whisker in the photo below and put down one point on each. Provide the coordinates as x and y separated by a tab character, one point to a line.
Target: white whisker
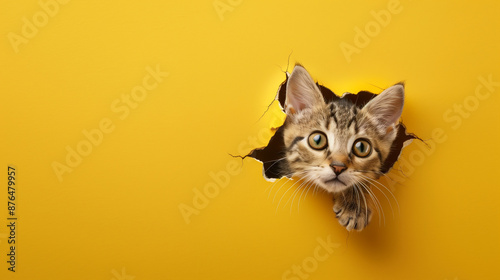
377	203
285	194
303	187
373	182
364	200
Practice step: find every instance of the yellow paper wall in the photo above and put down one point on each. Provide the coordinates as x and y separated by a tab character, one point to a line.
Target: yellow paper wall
119	117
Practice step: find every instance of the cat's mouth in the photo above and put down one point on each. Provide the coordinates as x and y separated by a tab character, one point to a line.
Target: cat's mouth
334	180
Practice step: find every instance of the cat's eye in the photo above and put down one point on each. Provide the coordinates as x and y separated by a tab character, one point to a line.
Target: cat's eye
317	140
362	148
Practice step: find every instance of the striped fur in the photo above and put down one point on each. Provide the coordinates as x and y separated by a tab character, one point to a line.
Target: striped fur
343	124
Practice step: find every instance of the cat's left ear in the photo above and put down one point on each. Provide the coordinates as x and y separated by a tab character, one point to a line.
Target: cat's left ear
387	107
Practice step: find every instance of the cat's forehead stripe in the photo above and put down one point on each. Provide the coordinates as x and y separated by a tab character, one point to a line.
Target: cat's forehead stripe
334	116
379	154
297	139
351	121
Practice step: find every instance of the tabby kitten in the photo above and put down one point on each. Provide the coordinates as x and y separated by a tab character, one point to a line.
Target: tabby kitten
339	146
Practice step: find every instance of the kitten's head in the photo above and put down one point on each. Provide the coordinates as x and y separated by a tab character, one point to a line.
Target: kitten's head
336	145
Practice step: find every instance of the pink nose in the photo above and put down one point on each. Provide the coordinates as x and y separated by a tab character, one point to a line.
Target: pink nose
338	167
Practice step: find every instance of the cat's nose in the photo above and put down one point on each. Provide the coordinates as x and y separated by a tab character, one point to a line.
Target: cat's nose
338	167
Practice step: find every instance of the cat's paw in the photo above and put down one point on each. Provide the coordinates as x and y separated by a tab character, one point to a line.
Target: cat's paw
352	216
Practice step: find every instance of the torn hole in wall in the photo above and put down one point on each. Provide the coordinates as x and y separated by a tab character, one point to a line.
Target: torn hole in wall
273	154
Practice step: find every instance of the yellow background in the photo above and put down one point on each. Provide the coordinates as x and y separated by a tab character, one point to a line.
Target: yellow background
117	215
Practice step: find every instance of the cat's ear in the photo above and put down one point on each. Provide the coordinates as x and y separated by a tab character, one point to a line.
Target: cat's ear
301	92
387	107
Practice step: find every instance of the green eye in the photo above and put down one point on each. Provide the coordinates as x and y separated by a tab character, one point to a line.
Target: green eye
317	140
362	148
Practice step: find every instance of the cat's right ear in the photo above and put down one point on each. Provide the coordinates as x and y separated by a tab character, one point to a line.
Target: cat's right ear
301	92
386	108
